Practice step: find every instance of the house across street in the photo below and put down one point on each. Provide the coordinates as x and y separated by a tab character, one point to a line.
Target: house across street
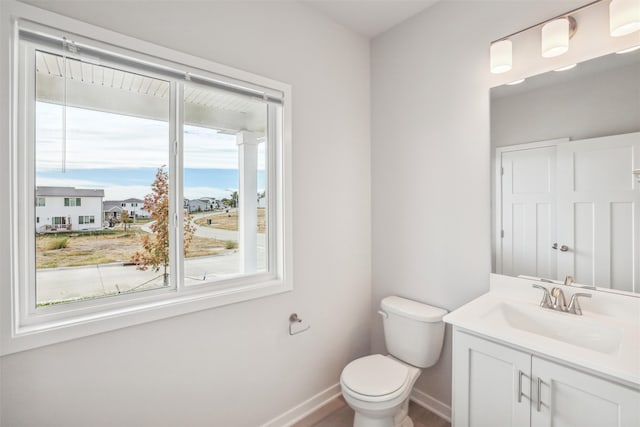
68	209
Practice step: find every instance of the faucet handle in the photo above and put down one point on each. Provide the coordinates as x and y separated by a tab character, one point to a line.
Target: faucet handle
559	301
546	298
574	305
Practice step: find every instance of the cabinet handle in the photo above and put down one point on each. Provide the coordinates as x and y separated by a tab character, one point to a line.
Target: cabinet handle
520	392
539	402
520	373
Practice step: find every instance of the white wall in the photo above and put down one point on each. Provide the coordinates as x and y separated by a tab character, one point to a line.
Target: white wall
235	365
430	155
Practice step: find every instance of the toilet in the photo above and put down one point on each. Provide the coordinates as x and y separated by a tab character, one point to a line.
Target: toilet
378	387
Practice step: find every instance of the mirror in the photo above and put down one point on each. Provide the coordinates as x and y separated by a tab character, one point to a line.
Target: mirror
566	182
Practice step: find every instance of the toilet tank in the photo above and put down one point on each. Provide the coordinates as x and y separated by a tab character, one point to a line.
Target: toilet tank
413	332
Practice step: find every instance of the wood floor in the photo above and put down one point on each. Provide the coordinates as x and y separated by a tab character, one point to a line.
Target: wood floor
338	414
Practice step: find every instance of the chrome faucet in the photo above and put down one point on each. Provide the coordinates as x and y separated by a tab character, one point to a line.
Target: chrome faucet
559	303
574	305
555	300
546	298
569	281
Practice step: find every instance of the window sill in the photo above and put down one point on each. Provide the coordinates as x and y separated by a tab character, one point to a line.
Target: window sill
18	338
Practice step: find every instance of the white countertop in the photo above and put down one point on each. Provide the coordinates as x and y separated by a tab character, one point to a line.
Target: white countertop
605	339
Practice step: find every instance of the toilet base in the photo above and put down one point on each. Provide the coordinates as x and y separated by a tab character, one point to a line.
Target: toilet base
399	419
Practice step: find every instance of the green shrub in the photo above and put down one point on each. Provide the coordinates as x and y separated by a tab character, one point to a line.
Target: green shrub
230	244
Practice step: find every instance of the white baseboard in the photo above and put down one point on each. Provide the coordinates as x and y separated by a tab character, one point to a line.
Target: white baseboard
434	405
314	403
300	411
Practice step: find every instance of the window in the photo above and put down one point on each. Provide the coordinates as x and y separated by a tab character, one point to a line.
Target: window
40	201
103	123
87	219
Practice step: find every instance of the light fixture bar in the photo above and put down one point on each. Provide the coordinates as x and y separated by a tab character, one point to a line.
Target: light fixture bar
564	15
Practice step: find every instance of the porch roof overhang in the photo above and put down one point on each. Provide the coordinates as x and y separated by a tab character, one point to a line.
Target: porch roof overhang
106	89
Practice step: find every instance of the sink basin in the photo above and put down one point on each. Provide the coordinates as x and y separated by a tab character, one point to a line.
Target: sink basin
567	328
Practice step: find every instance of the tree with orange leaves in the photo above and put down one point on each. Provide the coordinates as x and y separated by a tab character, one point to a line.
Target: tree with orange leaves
155	247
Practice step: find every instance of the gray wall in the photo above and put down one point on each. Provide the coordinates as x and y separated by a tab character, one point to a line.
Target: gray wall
430	155
234	365
586	107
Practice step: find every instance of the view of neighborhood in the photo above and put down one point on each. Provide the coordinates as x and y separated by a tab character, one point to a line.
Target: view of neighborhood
73	209
77	229
102	153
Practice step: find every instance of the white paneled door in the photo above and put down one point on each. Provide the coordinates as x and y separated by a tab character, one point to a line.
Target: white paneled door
598	201
572	209
529	212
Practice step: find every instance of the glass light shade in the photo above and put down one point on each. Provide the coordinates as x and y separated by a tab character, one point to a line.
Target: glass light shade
555	37
501	57
624	17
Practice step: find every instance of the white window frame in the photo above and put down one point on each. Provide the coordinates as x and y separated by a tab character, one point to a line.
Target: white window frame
22	327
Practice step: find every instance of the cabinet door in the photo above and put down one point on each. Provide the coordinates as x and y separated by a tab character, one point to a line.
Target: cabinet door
491	385
570	398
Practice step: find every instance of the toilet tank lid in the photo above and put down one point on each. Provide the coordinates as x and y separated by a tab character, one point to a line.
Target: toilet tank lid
412	309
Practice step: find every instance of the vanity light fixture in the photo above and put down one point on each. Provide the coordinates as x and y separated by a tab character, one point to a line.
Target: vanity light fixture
501	56
568	67
556	35
624	17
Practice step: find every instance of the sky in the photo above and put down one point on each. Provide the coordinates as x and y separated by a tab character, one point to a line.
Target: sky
121	154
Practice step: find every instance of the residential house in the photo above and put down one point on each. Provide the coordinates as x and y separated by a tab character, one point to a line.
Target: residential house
198	205
135	208
112	209
68	208
212	203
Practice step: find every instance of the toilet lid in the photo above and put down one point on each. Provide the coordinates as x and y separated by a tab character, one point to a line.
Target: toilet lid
374	375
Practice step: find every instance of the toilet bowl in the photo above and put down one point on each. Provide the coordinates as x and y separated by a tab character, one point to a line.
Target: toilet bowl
378	387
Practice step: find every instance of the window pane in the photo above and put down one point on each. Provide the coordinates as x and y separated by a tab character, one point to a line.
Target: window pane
224	183
102	141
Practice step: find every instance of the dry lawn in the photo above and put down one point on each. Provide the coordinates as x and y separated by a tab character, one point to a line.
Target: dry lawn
229	221
118	246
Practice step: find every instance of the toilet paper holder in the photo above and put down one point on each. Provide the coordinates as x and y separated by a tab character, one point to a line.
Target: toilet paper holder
294	319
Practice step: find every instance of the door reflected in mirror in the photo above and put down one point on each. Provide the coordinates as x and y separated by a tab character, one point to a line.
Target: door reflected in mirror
567	174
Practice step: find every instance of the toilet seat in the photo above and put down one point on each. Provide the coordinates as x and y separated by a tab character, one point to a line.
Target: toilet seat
375	378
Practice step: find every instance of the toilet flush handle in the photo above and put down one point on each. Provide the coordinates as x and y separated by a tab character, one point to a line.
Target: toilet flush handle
383	314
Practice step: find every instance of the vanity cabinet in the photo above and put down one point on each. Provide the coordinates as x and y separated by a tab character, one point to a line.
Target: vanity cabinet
496	385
